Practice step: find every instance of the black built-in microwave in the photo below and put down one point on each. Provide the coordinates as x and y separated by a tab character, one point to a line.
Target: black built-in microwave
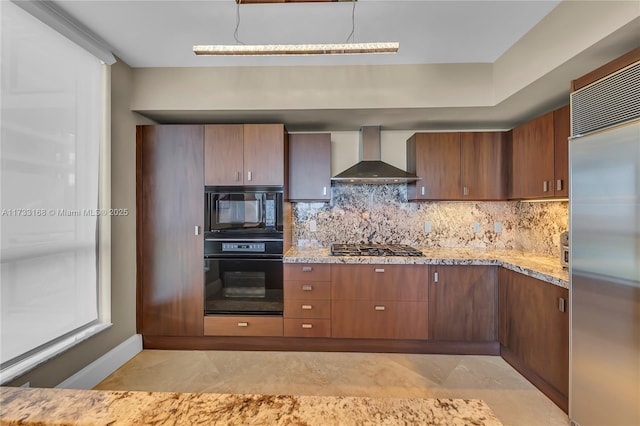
247	209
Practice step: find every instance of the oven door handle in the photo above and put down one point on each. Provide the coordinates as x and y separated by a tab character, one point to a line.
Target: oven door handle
244	259
244	239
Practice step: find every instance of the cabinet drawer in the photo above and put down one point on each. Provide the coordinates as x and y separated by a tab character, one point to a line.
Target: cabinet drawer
307	327
297	308
307	290
307	272
381	320
379	282
242	325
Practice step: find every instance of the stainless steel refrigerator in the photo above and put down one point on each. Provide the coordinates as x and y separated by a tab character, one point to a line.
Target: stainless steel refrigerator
604	245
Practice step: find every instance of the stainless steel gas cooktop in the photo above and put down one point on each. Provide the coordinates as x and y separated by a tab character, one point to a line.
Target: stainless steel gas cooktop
374	250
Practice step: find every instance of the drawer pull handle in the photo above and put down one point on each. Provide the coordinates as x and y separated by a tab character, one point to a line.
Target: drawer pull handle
307	287
559	185
379	308
243	324
435	277
307	307
379	269
545	186
561	304
307	269
307	325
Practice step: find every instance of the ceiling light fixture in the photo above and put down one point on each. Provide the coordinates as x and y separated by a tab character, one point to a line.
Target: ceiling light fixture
346	48
296	49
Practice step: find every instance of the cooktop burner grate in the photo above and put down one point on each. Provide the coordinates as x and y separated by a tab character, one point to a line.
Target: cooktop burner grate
374	250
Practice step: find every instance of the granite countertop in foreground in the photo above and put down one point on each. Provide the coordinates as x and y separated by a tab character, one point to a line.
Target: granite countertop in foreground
545	268
87	407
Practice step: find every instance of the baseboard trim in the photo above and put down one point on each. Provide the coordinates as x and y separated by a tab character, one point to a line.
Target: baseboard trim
99	369
319	344
560	399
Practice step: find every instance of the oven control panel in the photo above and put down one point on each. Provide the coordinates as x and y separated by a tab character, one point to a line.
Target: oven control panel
243	247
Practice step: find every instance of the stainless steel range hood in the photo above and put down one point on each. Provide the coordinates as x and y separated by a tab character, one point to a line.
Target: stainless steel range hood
370	169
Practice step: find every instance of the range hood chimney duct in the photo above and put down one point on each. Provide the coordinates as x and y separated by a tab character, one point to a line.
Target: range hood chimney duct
370	169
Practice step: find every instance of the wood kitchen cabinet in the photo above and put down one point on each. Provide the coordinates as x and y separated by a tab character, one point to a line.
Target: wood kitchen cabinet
379	301
307	300
463	303
539	161
534	332
169	223
458	166
244	154
310	167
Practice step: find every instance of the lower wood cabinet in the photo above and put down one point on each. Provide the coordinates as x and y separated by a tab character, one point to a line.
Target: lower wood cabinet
379	301
307	327
463	303
307	300
379	319
249	325
534	332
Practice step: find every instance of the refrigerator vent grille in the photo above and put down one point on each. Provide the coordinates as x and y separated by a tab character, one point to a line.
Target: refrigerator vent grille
612	100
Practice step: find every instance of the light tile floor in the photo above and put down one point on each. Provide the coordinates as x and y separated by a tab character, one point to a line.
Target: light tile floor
512	398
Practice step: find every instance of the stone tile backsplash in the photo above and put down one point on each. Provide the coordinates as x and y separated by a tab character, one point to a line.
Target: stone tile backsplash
382	214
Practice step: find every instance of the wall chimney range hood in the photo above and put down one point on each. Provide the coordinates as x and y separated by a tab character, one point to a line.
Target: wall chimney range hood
370	169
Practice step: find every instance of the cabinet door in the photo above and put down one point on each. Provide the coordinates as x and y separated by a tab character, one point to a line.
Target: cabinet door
310	167
223	154
435	158
534	328
170	247
562	131
264	154
462	303
379	282
532	168
379	319
483	166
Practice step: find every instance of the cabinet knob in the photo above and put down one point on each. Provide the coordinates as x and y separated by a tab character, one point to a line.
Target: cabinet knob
243	324
307	268
307	307
559	185
249	176
307	287
379	307
379	270
307	325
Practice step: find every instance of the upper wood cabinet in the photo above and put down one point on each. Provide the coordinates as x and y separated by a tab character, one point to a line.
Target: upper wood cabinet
310	167
561	133
534	331
457	166
169	220
539	161
463	303
244	154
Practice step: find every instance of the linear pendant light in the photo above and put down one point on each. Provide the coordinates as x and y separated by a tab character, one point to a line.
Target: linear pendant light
295	49
346	48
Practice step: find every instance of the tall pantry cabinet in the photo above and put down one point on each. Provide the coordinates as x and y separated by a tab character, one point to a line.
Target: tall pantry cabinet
170	218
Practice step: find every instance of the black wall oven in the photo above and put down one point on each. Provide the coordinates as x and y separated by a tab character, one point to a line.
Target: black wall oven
243	251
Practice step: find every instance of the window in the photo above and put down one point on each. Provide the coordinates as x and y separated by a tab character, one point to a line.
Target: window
51	129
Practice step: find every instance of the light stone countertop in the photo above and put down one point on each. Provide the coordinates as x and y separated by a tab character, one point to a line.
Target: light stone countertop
545	268
89	407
